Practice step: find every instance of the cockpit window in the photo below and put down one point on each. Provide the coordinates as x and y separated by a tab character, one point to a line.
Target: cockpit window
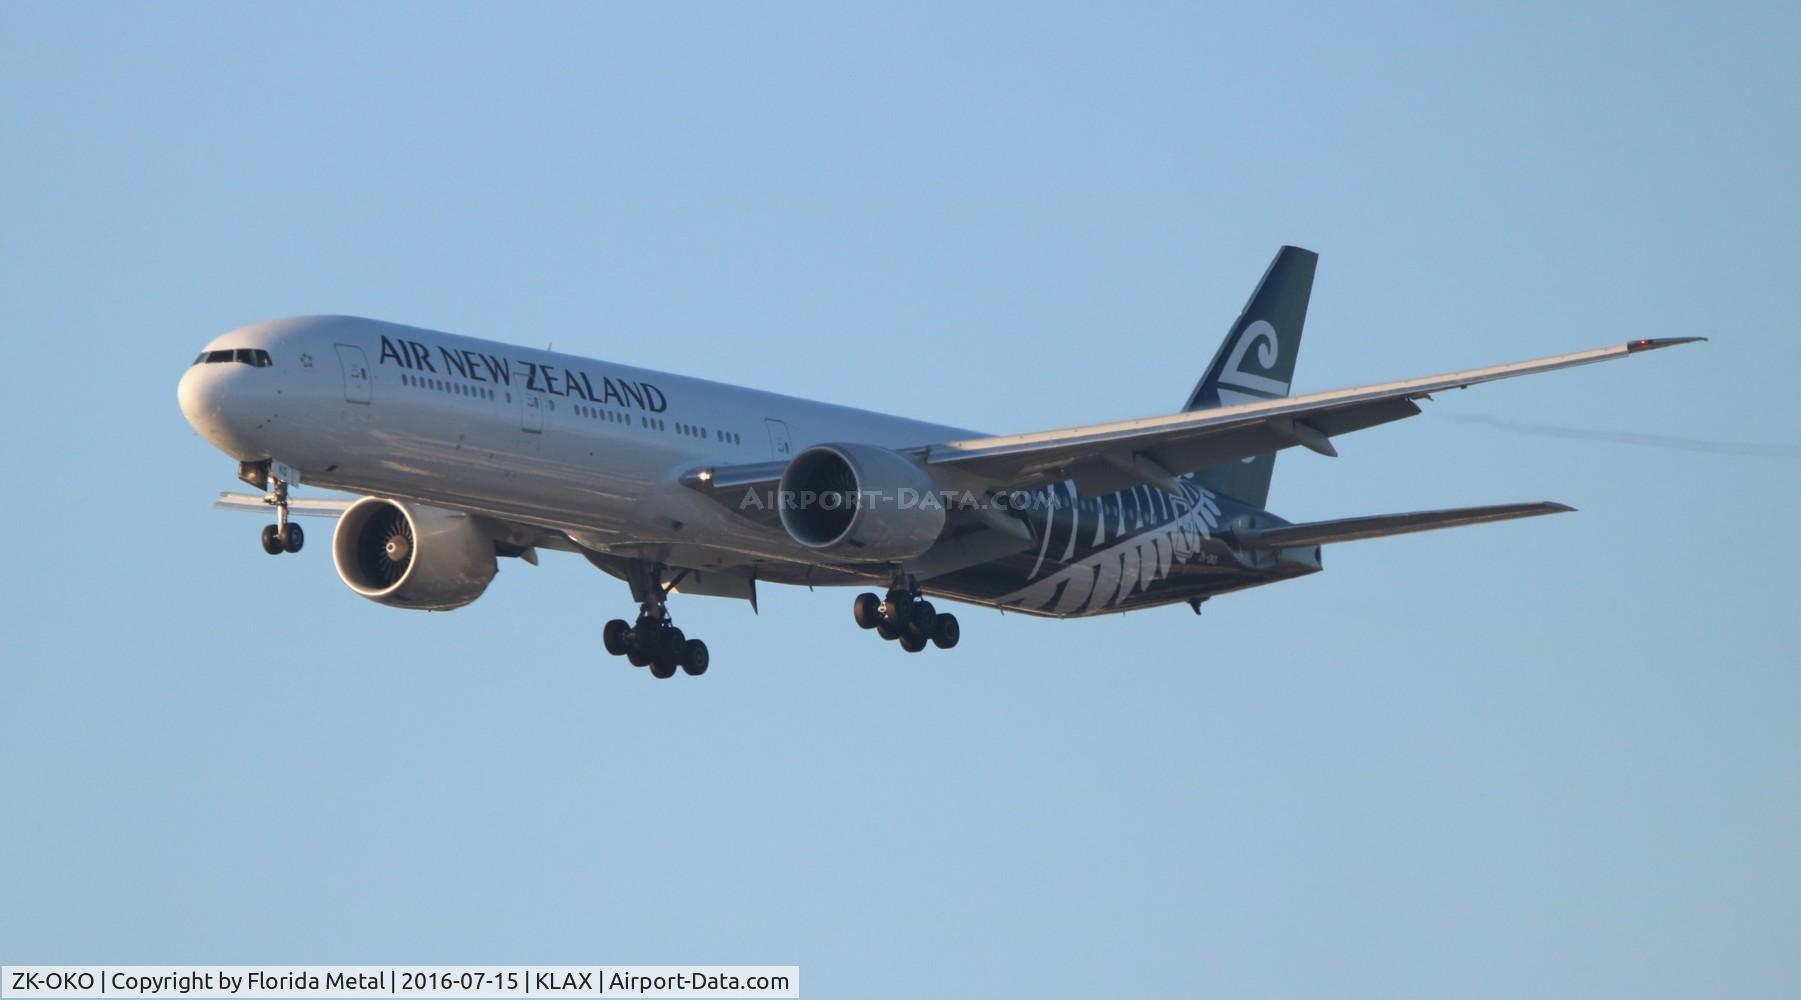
253	356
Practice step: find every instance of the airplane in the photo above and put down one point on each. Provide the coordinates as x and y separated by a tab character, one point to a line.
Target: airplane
463	451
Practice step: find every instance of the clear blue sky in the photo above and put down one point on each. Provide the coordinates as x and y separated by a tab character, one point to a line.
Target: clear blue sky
1556	758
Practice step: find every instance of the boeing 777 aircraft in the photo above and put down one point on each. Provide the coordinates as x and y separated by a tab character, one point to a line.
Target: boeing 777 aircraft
466	450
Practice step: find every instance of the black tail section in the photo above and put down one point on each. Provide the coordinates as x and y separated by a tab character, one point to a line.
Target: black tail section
1256	362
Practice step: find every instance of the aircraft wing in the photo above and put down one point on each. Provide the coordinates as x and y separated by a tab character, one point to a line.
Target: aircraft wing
1106	457
321	507
1351	529
510	538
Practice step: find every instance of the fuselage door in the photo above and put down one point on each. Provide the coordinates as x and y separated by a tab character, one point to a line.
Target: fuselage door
779	443
531	413
356	373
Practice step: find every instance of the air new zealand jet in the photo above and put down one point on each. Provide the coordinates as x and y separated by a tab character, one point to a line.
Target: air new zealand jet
464	451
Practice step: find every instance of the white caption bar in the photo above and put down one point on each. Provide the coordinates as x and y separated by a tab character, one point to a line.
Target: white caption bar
333	981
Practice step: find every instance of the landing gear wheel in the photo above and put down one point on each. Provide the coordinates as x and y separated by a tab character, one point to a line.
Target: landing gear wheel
886	631
272	540
694	657
924	617
613	636
867	610
653	640
945	631
295	538
913	642
637	651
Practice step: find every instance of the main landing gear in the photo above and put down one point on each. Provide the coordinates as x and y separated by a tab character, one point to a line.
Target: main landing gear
654	641
282	536
907	617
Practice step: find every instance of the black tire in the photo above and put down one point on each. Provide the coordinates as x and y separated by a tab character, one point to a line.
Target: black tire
924	616
613	636
868	610
946	631
694	657
886	631
663	667
271	540
638	651
296	538
913	642
673	643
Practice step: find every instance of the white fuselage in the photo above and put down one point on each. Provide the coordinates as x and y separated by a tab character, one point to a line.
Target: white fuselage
589	448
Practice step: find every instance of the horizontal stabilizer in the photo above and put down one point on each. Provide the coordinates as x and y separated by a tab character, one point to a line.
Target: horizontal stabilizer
1351	529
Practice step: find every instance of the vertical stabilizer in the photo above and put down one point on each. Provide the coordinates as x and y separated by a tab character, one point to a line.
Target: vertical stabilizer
1256	362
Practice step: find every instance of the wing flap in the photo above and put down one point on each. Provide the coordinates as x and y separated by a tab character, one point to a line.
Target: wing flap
1352	529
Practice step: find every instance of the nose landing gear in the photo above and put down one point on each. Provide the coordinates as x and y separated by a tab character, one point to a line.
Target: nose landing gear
281	536
907	617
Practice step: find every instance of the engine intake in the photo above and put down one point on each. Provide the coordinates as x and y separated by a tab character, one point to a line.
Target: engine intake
860	503
412	556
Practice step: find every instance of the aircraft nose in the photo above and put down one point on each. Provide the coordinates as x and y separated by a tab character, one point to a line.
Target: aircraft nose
198	395
206	393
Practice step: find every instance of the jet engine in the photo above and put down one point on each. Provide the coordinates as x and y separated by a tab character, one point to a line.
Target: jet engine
860	503
412	556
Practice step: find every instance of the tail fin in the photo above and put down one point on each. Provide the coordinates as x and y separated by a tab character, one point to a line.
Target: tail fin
1256	362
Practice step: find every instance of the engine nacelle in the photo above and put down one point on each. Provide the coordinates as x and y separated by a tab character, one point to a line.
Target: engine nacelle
412	556
860	503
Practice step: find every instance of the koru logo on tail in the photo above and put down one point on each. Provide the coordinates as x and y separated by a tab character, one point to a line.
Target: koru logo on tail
1262	336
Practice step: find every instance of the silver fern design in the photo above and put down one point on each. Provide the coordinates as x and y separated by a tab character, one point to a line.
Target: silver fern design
1106	576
